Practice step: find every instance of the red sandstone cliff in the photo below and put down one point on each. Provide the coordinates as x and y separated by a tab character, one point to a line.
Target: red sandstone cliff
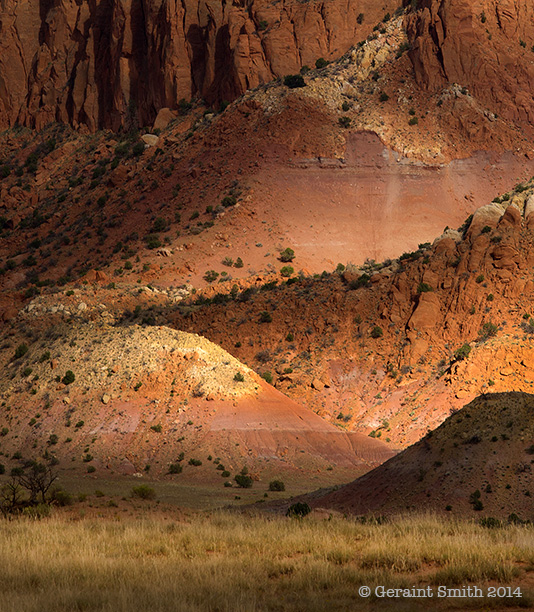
483	45
108	63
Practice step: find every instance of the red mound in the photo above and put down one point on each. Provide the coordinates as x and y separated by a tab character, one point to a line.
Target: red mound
274	427
479	459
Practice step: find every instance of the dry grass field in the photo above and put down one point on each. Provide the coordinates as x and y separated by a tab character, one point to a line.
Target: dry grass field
226	562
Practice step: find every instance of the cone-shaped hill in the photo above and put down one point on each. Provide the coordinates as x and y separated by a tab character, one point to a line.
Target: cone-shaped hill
119	398
478	462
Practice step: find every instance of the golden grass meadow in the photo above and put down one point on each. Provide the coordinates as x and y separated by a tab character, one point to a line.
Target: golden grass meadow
232	562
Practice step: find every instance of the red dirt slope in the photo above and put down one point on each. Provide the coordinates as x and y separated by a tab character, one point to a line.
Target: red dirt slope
270	426
486	447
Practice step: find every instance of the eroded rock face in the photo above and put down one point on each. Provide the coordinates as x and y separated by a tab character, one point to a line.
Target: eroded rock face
482	46
111	63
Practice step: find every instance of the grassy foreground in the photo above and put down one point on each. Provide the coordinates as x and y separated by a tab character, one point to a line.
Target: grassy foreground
223	562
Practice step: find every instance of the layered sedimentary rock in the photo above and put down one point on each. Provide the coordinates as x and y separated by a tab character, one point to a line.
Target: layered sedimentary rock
111	63
485	46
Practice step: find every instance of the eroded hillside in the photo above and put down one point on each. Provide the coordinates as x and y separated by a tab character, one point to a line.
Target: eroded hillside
478	463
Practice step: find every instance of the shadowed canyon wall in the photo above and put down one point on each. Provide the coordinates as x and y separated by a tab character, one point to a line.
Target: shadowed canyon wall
112	63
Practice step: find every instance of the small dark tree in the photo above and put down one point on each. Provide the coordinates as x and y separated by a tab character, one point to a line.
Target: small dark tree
11	496
243	480
37	478
298	510
287	255
68	378
294	80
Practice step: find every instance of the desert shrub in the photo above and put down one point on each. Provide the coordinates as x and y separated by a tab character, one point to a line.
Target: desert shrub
360	18
485	230
263	356
267	377
287	255
287	271
277	485
321	63
53	439
384	97
424	288
159	225
377	332
58	497
298	510
228	201
184	106
243	480
238	263
225	474
480	278
361	281
265	317
152	241
474	500
143	492
488	330
413	121
69	377
138	148
91	469
293	81
198	391
195	462
156	428
238	377
210	276
490	522
20	351
344	121
462	352
403	47
228	261
37	512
